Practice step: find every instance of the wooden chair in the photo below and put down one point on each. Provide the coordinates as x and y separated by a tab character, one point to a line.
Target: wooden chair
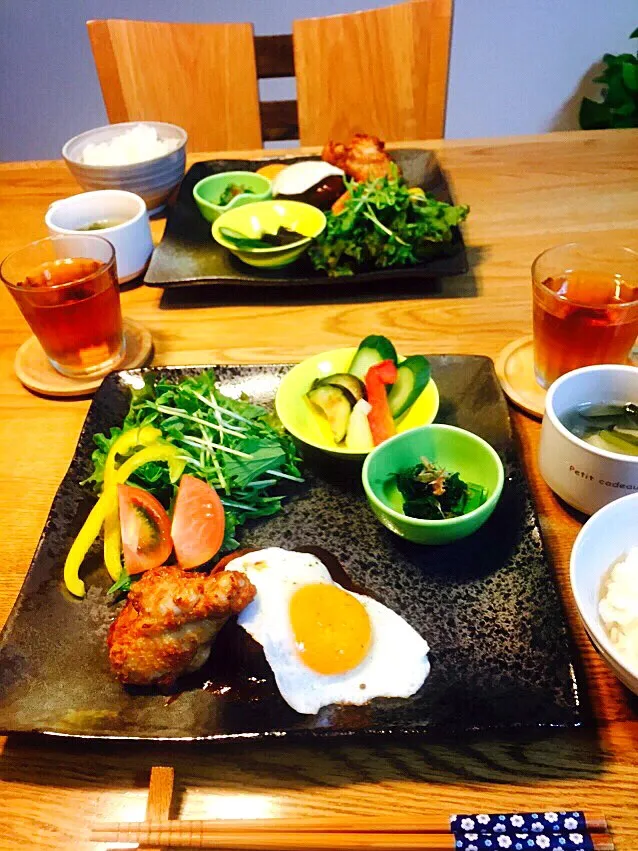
200	76
274	57
382	71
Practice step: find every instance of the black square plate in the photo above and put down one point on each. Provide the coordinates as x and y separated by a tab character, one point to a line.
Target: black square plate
189	255
488	607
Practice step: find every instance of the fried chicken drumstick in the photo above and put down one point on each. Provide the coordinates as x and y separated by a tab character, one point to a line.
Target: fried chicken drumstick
363	158
169	622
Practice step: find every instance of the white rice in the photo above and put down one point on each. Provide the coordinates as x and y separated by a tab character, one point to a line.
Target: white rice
133	146
618	606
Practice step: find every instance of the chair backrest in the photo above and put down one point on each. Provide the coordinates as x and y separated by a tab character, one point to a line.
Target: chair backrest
200	76
382	71
275	59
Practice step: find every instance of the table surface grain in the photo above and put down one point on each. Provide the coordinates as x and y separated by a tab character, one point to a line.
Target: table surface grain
525	193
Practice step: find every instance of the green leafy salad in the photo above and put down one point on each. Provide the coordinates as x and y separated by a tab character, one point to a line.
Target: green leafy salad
385	223
239	448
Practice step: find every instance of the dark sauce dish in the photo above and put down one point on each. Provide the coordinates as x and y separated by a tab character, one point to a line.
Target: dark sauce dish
322	194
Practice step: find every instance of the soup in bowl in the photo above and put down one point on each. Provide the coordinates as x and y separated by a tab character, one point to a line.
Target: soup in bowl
586	452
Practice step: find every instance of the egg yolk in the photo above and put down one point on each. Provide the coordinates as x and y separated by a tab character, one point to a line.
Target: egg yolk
332	628
271	170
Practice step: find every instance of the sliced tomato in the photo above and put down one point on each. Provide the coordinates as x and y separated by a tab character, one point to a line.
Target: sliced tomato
146	529
198	522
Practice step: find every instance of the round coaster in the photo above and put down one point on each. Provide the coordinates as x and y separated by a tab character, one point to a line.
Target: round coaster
35	372
515	371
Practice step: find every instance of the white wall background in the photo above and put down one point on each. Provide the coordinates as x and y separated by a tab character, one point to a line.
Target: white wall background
517	66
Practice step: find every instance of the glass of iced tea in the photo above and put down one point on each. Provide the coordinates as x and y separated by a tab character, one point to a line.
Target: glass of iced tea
585	308
66	288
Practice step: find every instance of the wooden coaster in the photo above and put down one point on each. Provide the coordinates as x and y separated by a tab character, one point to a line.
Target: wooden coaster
36	373
515	371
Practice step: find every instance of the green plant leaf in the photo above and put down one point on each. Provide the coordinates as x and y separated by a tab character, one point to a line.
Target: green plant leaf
630	76
628	108
616	94
613	59
593	115
634	33
622	121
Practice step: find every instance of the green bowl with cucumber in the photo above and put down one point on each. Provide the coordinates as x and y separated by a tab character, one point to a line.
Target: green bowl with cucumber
345	401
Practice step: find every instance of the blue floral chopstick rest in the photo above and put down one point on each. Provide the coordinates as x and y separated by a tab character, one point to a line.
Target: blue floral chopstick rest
574	841
551	822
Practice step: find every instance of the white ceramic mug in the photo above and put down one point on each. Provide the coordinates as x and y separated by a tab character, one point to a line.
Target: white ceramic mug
584	476
131	238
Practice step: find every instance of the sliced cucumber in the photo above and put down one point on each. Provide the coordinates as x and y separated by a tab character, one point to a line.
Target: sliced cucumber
373	349
349	382
631	433
336	403
619	442
611	442
413	375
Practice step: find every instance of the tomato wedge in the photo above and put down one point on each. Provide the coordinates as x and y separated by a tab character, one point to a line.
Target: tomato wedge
145	527
198	523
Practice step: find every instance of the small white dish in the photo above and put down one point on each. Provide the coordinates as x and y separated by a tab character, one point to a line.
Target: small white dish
131	237
604	539
584	476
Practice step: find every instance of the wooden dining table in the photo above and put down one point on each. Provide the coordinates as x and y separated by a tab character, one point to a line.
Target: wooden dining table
525	194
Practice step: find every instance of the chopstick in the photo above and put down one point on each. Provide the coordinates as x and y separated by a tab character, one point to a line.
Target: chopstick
414	824
418	832
185	834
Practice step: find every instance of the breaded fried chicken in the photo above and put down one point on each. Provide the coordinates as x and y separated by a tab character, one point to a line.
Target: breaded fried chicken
363	158
169	622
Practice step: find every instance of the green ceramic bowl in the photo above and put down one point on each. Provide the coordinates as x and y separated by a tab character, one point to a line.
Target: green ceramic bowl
207	192
302	420
268	216
455	449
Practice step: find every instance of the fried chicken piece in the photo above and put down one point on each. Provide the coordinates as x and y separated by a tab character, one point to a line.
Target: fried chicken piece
363	158
169	623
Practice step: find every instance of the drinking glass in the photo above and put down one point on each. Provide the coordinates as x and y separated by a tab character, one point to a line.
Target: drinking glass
585	302
66	288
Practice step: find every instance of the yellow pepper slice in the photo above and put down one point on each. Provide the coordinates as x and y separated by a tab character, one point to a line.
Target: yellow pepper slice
108	503
126	442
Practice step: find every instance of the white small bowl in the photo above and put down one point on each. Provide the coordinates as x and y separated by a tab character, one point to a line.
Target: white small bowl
584	476
603	540
131	239
153	179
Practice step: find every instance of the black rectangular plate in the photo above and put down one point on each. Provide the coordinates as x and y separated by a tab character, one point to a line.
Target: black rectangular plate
189	255
488	607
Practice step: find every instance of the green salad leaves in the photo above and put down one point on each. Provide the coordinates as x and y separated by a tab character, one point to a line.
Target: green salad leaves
239	448
385	223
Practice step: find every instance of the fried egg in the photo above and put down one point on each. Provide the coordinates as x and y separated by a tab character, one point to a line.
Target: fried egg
325	644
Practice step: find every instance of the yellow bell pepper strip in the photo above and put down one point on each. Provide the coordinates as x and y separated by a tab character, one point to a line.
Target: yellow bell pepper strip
107	503
125	443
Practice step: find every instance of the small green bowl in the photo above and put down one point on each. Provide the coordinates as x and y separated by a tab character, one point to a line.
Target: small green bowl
300	418
207	191
456	450
268	216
